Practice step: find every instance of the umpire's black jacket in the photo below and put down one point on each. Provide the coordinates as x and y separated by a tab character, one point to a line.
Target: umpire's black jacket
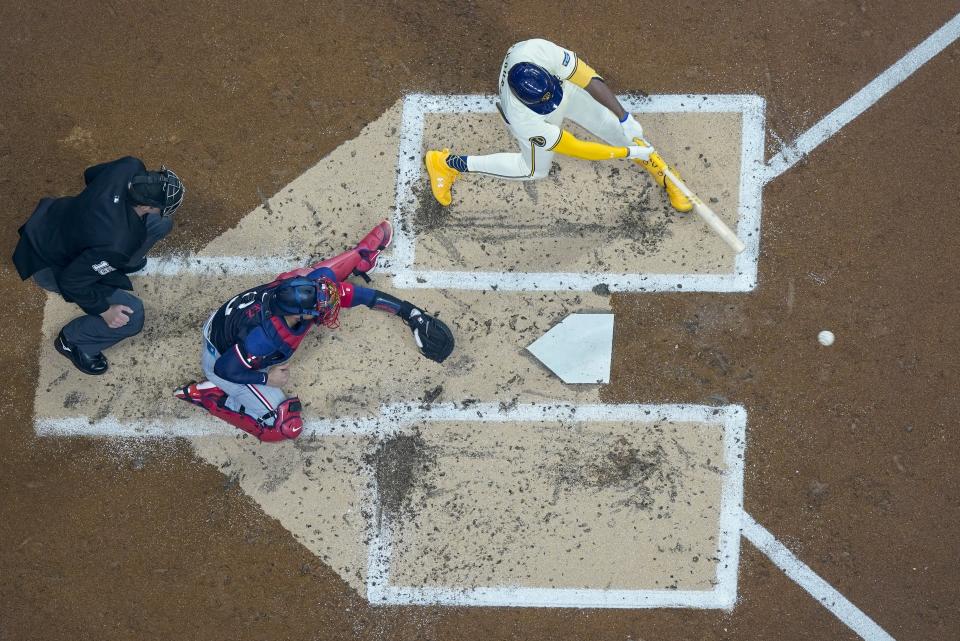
88	239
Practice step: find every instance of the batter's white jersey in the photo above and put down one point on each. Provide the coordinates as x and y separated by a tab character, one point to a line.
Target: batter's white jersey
526	123
537	134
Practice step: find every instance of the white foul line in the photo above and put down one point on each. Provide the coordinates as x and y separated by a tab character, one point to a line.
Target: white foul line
202	426
793	567
802	575
863	99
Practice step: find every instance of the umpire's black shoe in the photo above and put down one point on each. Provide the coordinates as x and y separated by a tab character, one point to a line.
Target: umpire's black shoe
95	365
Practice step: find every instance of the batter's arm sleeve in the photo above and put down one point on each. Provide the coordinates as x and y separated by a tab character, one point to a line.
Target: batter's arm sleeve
570	145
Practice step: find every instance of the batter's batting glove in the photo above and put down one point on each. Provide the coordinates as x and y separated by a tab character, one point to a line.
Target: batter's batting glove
631	128
433	337
636	152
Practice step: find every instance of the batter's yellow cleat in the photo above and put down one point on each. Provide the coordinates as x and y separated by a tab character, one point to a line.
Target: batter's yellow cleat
442	176
656	167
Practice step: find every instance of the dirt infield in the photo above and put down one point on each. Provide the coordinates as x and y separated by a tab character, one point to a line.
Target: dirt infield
850	454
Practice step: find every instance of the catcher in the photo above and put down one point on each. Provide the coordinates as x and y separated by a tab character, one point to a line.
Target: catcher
249	339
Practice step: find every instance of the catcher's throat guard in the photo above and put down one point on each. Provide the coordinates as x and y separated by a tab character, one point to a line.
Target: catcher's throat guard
302	296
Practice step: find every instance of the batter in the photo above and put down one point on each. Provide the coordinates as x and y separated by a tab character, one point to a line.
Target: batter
541	84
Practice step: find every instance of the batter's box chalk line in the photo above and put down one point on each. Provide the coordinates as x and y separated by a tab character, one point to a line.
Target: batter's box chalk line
743	278
732	419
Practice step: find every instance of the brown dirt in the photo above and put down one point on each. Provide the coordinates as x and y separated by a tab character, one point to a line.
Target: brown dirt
852	450
638	475
397	463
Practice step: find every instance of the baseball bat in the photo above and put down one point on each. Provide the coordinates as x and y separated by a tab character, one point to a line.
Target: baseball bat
706	214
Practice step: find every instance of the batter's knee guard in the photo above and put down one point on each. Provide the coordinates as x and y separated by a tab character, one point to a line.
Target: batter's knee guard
287	422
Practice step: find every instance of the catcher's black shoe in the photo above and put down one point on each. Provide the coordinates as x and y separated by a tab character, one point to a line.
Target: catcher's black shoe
94	365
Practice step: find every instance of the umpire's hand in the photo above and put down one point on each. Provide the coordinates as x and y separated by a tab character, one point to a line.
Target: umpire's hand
116	316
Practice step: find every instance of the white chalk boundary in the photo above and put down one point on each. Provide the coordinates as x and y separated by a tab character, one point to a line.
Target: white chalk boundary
398	417
863	99
202	426
752	177
731	418
410	165
806	578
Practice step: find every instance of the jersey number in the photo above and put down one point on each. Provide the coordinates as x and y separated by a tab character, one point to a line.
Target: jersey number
243	300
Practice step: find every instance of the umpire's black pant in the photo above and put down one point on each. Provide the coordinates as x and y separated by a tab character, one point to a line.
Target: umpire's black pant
90	333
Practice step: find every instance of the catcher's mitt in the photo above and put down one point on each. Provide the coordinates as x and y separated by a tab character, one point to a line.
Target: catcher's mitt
433	337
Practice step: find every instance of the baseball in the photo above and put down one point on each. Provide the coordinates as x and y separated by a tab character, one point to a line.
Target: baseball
825	338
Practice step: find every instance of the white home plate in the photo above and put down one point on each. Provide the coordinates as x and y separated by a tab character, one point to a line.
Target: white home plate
578	349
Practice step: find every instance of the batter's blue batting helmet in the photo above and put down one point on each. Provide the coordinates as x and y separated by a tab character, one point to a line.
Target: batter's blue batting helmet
536	87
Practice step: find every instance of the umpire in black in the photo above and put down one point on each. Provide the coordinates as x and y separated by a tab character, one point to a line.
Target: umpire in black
83	247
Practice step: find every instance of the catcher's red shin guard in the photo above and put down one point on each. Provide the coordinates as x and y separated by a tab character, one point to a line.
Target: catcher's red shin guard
357	261
239	420
212	398
288	424
370	246
199	393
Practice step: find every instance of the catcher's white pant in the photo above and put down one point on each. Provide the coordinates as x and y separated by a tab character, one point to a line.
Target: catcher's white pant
258	401
534	162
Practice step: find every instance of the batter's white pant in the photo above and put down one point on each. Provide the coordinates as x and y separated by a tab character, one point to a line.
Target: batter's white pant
533	162
258	401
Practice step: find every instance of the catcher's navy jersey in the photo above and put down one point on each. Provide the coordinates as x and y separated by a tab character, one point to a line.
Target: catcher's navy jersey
249	337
